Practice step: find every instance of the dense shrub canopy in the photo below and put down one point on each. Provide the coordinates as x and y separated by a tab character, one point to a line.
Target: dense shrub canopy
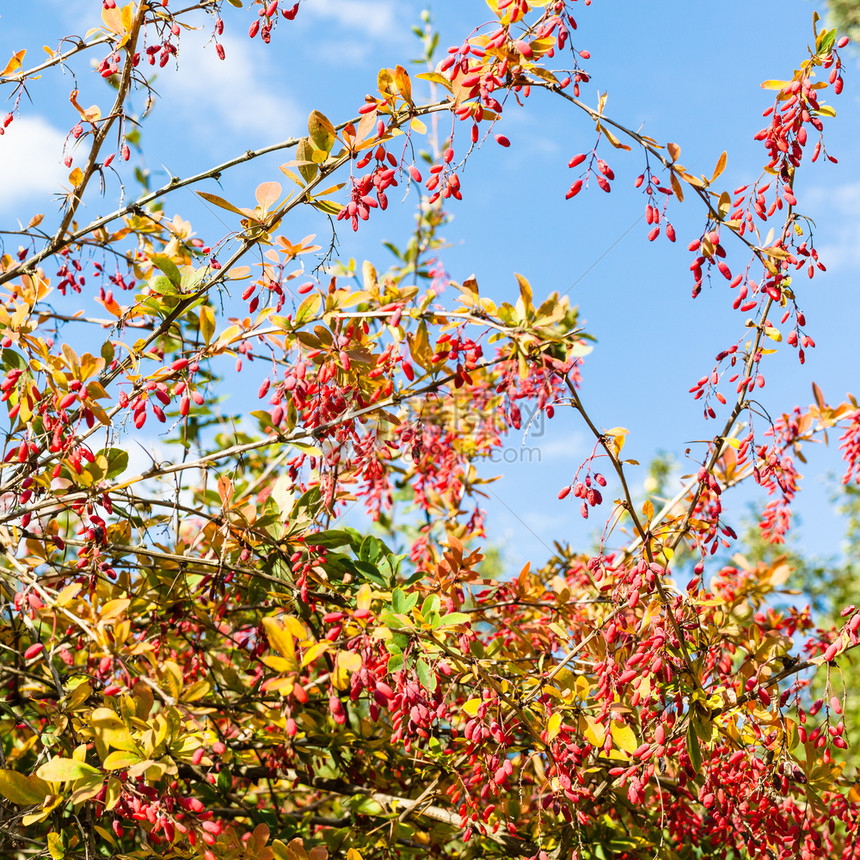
201	661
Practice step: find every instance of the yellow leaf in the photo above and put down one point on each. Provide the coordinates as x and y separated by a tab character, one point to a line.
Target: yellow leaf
76	177
207	323
113	608
553	727
280	639
21	789
674	151
314	652
623	737
66	770
363	598
120	760
613	140
110	730
68	593
471	707
725	204
55	846
617	437
774	85
676	187
593	731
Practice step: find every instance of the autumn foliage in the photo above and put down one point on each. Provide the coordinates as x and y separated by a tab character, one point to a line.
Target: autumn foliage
199	662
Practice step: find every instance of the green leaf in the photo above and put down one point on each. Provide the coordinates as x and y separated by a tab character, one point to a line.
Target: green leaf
164	286
825	41
329	538
453	618
395	657
168	267
693	749
426	675
117	461
14	360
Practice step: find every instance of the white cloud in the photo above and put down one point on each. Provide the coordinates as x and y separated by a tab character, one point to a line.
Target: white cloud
372	18
237	94
31	153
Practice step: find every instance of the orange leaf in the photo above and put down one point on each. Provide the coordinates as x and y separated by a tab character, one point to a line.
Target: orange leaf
14	64
721	166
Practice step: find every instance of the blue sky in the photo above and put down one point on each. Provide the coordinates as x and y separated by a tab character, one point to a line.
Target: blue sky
679	71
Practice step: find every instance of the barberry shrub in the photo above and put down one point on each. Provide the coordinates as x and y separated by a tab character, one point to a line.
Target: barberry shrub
198	662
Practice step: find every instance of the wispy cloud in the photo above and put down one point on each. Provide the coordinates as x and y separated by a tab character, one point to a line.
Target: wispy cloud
369	18
238	95
31	153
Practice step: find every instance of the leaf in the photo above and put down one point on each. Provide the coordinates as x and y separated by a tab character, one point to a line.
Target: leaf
825	41
76	177
613	140
14	64
676	187
117	461
309	308
775	85
693	748
55	846
426	676
594	732
321	130
166	265
453	618
674	151
403	84
553	727
623	737
305	158
616	437
471	707
207	323
120	760
21	789
281	639
314	652
819	397
267	194
721	166
725	204
66	770
220	201
111	731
